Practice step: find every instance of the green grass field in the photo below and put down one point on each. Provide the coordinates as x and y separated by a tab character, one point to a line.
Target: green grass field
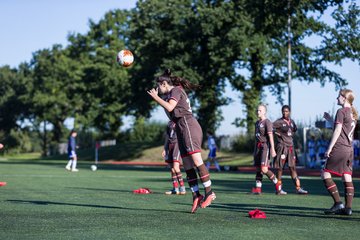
43	201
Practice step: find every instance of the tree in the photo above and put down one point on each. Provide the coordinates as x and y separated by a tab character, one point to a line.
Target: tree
105	92
198	40
56	79
266	58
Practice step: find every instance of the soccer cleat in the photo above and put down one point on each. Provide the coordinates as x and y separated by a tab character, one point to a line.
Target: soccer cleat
301	191
346	211
2	184
281	192
182	190
172	192
68	168
196	203
208	199
75	170
256	190
337	208
278	186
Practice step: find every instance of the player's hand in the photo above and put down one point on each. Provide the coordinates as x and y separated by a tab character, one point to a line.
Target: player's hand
327	153
153	92
273	153
163	154
1	145
327	116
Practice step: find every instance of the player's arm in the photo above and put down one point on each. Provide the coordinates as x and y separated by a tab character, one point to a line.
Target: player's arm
169	106
272	145
334	138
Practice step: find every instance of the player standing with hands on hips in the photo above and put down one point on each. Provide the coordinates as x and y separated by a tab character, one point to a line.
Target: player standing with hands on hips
188	132
340	152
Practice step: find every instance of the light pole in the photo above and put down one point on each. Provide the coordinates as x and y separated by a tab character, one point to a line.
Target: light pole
289	55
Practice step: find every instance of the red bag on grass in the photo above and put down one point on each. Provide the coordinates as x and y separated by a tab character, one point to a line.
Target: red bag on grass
257	214
142	191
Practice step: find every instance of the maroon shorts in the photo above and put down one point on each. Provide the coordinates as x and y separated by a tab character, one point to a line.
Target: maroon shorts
284	154
173	154
340	160
262	155
189	134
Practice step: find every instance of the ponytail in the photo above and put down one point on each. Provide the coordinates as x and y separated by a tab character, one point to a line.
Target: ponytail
355	113
350	97
176	81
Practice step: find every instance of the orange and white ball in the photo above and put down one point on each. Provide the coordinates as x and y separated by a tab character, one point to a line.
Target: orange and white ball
125	58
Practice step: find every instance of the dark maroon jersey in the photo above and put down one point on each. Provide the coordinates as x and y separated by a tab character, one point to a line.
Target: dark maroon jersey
183	103
344	117
285	129
262	130
171	132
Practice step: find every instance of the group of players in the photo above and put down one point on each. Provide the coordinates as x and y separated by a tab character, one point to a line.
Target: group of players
184	139
185	130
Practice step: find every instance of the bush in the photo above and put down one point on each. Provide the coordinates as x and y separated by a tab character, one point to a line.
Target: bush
243	143
143	131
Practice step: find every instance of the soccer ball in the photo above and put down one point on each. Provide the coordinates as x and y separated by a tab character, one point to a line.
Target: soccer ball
93	167
125	58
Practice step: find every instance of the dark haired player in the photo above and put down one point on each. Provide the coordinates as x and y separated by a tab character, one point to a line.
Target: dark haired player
340	153
285	153
189	134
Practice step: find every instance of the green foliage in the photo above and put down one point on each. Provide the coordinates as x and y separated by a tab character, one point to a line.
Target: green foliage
209	43
147	131
244	144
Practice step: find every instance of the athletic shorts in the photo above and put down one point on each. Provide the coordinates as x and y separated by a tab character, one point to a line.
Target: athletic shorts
173	154
284	154
340	160
189	134
262	155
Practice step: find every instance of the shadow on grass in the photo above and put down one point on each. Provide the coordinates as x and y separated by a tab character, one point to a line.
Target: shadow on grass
46	203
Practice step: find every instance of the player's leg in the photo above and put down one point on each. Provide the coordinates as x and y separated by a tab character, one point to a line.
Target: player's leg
69	164
174	181
349	193
179	178
258	182
334	193
296	180
192	180
204	178
278	186
265	170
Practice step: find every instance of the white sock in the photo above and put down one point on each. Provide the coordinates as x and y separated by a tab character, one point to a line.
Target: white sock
74	165
68	165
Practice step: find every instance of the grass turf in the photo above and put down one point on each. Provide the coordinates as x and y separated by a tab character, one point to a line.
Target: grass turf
43	201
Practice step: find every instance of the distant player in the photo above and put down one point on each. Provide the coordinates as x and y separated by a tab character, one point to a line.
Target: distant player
311	147
264	148
71	166
212	152
340	153
284	129
2	183
189	134
172	157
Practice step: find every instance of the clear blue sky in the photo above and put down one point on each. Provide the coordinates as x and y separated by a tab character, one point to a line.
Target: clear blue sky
28	26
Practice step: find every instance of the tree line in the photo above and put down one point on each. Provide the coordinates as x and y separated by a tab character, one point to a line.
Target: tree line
209	42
